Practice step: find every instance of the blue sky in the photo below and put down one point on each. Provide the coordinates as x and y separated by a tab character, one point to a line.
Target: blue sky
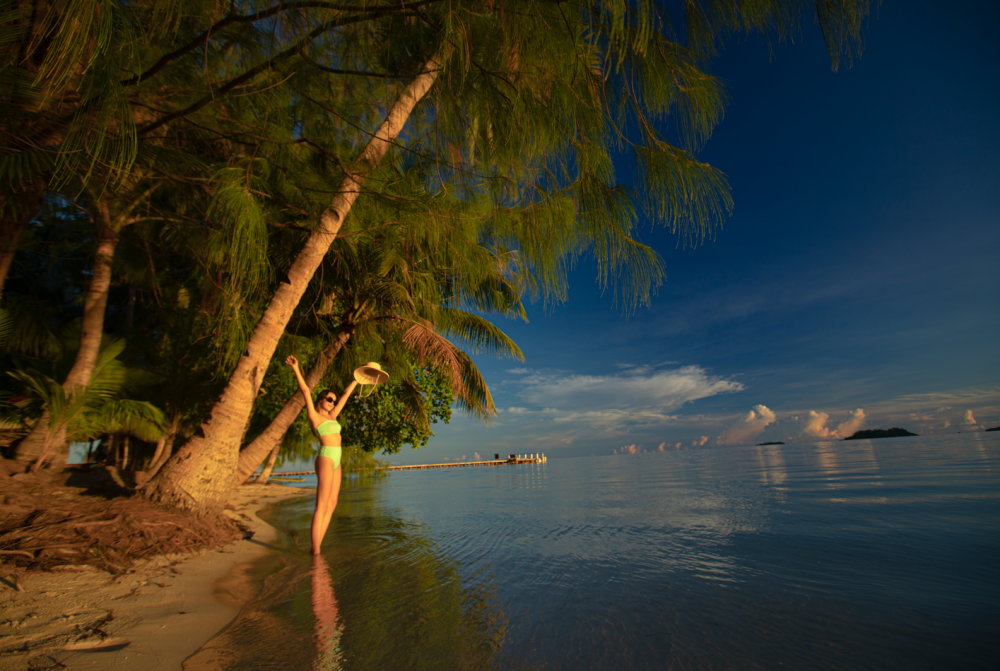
854	286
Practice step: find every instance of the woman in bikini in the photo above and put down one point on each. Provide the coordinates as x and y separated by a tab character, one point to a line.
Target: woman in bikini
323	417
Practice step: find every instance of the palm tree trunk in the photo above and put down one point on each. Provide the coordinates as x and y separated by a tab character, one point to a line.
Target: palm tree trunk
14	219
94	308
90	342
269	441
269	467
41	457
160	445
126	443
112	458
164	447
200	476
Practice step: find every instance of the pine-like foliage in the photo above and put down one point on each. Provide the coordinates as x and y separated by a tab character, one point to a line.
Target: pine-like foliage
278	98
218	134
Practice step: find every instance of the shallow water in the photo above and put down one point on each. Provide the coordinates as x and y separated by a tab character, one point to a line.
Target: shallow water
837	555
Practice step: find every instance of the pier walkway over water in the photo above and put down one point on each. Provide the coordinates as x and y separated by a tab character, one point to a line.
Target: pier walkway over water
513	460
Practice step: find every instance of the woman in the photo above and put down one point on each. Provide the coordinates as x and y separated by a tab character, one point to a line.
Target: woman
323	417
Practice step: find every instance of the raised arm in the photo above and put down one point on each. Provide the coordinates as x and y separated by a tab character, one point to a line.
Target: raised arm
343	399
304	388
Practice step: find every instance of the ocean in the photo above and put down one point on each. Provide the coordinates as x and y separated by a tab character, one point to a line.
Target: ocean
870	554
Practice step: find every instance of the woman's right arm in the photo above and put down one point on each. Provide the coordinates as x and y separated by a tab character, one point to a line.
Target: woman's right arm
304	388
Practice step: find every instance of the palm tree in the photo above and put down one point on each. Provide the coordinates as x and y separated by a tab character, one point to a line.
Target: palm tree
110	217
522	101
394	296
89	412
534	99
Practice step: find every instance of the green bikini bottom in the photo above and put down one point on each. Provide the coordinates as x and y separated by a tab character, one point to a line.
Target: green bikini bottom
331	452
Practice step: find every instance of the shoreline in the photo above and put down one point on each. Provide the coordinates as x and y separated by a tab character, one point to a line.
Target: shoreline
151	618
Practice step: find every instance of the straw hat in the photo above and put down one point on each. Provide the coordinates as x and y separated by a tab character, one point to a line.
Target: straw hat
370	373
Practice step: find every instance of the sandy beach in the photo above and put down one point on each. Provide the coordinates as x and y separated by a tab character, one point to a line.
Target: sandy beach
150	618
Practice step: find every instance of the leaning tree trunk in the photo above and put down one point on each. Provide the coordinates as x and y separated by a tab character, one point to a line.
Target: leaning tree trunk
164	448
269	441
17	211
265	475
200	476
90	344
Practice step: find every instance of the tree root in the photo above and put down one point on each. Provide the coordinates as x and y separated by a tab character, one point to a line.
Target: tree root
69	528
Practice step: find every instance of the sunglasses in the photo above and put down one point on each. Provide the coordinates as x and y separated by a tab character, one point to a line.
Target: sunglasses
331	399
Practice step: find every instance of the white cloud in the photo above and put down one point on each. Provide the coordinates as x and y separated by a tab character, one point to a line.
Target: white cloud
630	449
816	425
609	417
662	445
936	412
970	419
518	371
641	394
850	426
476	455
811	425
748	426
701	441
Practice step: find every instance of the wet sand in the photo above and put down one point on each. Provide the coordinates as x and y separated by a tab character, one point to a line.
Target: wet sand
150	619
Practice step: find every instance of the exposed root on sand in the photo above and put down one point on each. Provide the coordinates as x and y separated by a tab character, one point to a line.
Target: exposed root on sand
44	524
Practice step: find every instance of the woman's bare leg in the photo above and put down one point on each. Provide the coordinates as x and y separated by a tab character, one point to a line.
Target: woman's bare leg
326	499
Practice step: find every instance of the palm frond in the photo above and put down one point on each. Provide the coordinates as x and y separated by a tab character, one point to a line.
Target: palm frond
140	419
480	333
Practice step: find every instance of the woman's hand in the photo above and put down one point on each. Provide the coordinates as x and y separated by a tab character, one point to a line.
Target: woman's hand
292	361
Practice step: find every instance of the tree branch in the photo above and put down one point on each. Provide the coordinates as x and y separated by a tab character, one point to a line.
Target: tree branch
253	72
203	37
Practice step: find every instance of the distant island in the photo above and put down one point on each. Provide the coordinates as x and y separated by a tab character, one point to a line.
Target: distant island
894	432
995	428
773	442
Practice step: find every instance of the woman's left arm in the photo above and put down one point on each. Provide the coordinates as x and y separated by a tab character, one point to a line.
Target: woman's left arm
343	399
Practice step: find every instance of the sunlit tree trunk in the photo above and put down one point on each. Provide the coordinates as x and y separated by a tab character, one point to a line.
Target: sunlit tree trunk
265	475
158	452
164	447
269	441
201	475
126	452
91	333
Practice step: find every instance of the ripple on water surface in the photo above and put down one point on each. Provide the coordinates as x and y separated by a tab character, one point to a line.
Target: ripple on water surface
859	555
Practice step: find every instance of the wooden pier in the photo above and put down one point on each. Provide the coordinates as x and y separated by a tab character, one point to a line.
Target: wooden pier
284	474
522	459
513	460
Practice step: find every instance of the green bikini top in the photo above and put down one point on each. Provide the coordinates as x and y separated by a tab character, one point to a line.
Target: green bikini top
328	427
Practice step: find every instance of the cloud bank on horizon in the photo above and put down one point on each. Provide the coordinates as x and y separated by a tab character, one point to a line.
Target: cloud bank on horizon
652	406
645	409
639	395
811	425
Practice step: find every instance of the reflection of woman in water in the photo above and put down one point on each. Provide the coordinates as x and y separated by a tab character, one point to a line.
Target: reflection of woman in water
323	417
328	628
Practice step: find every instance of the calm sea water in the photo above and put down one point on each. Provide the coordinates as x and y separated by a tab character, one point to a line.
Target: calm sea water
877	554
